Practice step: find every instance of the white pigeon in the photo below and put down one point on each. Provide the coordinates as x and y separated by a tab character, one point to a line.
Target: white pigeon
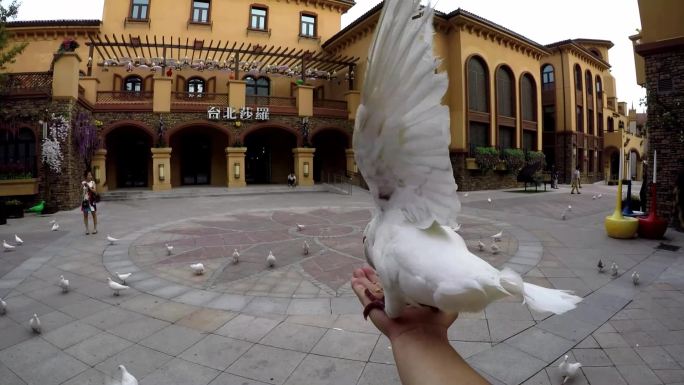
117	287
614	269
497	237
494	248
480	245
3	307
64	284
593	197
111	239
123	277
34	322
55	226
306	248
568	370
53	221
456	228
635	278
236	256
465	195
169	249
126	377
569	207
7	246
18	240
300	227
489	200
401	145
197	268
271	259
600	196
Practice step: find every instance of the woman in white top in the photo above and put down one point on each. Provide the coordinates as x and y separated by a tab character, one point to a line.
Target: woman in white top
88	204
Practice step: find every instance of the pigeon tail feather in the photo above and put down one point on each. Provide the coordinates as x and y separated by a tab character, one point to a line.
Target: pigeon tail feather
539	299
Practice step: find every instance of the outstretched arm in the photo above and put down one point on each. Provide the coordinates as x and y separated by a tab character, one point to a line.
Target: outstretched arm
419	339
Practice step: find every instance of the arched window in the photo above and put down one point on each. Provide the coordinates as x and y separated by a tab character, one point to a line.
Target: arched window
578	77
26	150
6	148
17	152
196	87
589	82
133	83
595	52
257	87
599	86
477	85
505	98
528	98
548	77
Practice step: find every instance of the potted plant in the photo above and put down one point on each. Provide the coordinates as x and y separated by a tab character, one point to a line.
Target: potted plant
14	209
514	159
487	158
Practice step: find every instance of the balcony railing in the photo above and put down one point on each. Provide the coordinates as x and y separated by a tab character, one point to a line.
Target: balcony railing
270	101
124	97
26	84
197	98
332	104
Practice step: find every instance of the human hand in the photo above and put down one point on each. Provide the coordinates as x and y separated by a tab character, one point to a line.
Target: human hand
425	320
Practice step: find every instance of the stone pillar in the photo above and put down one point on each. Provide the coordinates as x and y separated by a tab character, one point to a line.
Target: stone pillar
237	89
99	169
353	99
304	96
161	169
65	76
161	99
303	166
235	158
351	162
90	86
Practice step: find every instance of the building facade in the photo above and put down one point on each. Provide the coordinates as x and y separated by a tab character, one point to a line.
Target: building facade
211	92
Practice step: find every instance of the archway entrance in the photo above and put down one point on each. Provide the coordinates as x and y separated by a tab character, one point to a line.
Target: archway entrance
129	160
330	156
614	165
198	157
269	157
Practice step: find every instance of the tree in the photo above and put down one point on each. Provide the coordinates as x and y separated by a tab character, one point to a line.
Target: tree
7	53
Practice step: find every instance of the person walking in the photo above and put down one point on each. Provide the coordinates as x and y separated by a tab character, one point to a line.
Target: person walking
88	203
554	177
576	181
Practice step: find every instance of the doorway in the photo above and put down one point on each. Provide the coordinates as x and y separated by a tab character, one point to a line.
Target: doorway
269	157
128	158
195	160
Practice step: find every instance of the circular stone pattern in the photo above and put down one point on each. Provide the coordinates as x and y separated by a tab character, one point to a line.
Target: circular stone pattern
335	249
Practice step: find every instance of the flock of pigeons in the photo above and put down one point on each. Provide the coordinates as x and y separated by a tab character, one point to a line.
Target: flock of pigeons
614	271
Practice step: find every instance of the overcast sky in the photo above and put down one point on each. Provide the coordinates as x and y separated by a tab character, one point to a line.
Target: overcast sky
544	21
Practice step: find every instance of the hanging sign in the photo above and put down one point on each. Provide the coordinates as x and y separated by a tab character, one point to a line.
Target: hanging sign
244	113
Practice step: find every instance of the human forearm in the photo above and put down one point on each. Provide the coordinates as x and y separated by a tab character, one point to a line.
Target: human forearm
425	357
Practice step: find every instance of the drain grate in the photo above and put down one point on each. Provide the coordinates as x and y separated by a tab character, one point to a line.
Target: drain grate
665	246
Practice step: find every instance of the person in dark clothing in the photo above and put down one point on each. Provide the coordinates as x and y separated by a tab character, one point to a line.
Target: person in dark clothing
644	187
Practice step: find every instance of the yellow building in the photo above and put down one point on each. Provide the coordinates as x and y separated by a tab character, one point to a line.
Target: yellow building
205	92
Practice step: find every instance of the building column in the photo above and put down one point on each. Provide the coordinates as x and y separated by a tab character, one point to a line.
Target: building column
99	168
353	99
161	98
351	162
304	100
65	76
237	91
303	165
235	158
161	169
89	84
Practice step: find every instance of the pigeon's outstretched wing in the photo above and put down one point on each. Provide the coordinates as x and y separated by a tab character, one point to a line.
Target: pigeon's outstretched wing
401	137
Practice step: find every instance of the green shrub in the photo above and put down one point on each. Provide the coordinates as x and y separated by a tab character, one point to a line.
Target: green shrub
536	156
514	159
486	158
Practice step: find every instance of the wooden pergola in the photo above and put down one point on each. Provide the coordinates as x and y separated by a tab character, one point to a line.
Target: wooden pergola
234	53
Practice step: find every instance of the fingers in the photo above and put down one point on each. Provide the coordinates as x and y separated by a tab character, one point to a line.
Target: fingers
362	286
371	274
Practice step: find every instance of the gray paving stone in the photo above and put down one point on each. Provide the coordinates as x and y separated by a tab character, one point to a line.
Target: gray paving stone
84	308
70	334
508	311
610	340
556	379
206	320
588	343
540	378
138	329
247	328
267	364
474	330
14	333
172	340
317	370
309	306
467	349
293	336
137	359
379	374
90	377
196	297
382	353
180	372
346	344
266	305
98	348
501	329
354	323
604	376
37	362
346	305
670	376
230	379
677	352
540	344
657	358
216	352
111	318
7	377
639	375
510	365
592	357
567	327
232	302
624	356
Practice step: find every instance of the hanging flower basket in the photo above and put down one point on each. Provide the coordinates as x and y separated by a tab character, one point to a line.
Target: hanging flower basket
68	45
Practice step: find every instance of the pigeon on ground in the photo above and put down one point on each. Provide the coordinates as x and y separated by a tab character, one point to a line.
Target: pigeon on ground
465	195
169	249
52	222
300	227
489	200
271	259
401	146
495	249
127	378
480	245
3	307
111	239
64	284
497	237
569	207
600	266
593	197
7	246
600	196
306	248
35	324
123	277
197	268
568	370
18	240
564	214
614	269
635	278
55	226
236	256
117	287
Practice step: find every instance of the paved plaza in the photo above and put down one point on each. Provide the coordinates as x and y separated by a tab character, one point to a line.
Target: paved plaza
299	323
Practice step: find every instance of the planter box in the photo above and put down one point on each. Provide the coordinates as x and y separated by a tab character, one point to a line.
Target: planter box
16	187
14	211
471	164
